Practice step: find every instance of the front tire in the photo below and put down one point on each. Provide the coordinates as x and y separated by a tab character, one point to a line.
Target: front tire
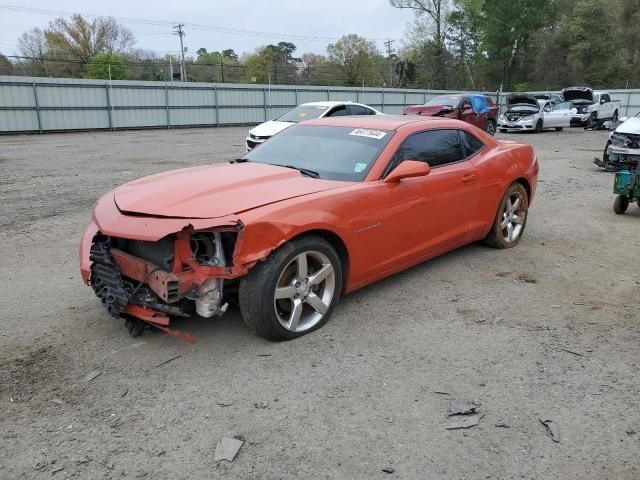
538	128
294	291
511	218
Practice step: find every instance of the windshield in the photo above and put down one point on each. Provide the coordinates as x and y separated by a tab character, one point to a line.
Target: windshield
335	153
450	100
302	113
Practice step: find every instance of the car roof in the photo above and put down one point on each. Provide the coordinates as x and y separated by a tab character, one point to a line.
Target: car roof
385	122
328	103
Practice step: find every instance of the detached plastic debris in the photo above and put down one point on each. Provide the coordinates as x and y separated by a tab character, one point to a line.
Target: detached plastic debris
227	449
552	429
465	422
92	375
463	407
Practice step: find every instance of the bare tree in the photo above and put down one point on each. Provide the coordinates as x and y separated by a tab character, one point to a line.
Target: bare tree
432	17
32	44
80	39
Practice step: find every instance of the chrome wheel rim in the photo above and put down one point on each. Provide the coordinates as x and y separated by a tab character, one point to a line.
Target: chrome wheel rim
514	216
304	291
491	130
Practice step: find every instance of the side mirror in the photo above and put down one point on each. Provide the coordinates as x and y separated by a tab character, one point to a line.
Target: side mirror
603	101
447	109
408	169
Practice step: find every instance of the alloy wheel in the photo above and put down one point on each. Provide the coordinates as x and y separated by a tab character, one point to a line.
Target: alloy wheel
304	291
514	216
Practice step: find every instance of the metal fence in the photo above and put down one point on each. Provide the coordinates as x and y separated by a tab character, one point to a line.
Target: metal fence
30	104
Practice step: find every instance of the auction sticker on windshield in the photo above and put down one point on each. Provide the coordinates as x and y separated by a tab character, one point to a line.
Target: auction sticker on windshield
365	132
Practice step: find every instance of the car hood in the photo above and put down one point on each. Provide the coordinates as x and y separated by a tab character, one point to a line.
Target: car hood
216	190
630	126
270	128
522	99
427	110
578	94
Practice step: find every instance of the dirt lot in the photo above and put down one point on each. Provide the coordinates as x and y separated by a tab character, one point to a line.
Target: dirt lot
548	330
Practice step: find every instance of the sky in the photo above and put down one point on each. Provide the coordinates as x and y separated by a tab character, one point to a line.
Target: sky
241	25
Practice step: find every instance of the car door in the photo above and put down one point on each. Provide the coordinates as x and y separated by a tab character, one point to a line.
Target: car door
466	112
606	108
558	115
425	216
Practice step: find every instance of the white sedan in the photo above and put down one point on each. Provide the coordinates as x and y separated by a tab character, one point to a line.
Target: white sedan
527	113
306	111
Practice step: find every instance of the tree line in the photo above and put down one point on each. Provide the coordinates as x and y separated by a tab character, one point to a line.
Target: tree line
452	44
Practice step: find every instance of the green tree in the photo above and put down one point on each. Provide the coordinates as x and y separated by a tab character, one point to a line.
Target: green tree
357	60
590	26
6	67
106	66
507	31
273	63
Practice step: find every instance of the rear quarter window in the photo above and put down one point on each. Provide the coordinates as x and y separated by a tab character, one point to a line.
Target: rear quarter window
470	143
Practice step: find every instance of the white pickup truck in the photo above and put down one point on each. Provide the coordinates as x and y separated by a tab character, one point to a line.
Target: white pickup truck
591	105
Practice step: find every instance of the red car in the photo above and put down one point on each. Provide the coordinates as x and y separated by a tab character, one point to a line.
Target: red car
460	107
320	210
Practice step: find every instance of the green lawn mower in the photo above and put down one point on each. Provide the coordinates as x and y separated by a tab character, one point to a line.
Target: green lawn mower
627	187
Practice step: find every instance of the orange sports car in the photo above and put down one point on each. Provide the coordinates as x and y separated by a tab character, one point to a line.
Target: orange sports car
321	209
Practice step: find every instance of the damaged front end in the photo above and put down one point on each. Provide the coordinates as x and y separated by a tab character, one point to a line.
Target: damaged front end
622	152
151	281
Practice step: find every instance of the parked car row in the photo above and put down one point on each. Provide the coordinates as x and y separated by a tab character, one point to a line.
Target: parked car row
524	112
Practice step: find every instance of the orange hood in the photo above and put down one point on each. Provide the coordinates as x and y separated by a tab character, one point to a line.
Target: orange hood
215	190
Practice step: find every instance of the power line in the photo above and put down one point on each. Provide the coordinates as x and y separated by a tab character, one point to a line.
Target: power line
194	26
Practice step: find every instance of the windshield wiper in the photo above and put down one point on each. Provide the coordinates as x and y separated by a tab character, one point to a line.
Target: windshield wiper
304	171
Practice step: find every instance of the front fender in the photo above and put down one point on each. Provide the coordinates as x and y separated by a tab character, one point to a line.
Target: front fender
260	238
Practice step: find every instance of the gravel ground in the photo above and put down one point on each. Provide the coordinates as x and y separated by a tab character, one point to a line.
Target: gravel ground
548	330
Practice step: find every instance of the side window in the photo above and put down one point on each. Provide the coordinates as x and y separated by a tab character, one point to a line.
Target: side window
470	144
435	147
466	103
606	98
358	110
340	111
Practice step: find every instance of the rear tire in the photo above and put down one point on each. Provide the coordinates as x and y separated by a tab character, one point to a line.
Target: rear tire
302	304
491	127
510	221
620	204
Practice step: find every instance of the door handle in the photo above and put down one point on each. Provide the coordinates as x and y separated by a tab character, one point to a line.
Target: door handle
468	178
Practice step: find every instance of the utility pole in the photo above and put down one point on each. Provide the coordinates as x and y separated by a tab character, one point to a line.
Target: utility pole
389	44
180	33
